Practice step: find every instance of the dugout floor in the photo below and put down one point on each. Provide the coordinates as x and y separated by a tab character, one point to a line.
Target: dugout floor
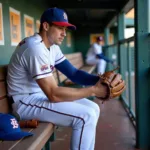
114	130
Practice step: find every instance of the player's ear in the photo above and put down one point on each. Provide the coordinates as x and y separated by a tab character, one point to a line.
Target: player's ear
45	26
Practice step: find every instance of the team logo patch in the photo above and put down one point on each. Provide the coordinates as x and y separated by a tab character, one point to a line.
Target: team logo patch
44	67
65	16
14	123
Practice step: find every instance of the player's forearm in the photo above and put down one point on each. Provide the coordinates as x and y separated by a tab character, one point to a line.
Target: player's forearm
102	56
56	93
69	94
77	76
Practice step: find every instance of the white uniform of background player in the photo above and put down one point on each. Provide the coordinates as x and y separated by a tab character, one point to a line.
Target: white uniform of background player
35	93
92	58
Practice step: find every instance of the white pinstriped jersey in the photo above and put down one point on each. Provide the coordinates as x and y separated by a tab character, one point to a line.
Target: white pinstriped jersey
30	61
94	50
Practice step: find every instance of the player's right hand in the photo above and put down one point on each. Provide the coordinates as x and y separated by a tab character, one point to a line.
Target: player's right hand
100	90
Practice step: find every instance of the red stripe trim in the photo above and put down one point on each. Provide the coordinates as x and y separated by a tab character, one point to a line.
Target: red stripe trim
61	114
41	74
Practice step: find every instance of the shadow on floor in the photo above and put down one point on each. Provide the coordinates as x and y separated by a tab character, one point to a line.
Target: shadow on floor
114	130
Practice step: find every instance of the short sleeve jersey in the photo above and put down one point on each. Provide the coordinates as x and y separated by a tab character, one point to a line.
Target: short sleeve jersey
94	50
31	60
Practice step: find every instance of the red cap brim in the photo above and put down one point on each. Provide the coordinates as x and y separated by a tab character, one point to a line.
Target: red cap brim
65	24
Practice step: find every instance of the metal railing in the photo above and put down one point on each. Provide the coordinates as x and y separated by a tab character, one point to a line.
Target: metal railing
123	52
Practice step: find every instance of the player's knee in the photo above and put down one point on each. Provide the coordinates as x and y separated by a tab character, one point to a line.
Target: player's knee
96	107
87	118
97	110
91	117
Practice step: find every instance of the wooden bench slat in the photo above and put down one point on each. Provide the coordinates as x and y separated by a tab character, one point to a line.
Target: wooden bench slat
41	135
72	55
77	61
78	66
87	68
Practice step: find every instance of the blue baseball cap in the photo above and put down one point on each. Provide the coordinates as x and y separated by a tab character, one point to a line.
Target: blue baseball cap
10	129
56	16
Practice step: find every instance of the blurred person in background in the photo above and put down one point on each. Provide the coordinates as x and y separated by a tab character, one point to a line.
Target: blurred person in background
95	56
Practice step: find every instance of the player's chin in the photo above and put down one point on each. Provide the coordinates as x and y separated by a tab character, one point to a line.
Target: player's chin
58	42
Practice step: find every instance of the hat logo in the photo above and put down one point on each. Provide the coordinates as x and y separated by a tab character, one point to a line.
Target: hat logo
65	16
14	123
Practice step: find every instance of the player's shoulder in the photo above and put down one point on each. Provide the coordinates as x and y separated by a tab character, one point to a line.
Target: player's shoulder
95	44
30	46
34	43
30	42
34	40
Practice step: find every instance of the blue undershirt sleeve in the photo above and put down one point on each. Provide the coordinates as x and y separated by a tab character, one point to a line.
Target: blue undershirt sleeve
102	56
76	75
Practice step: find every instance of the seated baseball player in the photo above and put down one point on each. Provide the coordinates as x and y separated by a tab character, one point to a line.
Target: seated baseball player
95	56
35	93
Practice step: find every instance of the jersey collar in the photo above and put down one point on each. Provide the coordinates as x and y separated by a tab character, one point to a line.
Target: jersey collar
39	38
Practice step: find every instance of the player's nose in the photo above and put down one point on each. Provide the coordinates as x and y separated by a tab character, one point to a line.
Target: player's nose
64	32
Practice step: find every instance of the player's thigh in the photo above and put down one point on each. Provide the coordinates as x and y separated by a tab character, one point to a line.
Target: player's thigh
92	61
102	62
62	113
89	103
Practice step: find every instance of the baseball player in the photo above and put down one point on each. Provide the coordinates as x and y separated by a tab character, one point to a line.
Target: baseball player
34	91
95	56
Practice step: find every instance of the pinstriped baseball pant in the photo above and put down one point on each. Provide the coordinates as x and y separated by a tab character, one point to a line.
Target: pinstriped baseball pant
81	115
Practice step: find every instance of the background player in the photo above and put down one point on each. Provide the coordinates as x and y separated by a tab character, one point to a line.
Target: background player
95	56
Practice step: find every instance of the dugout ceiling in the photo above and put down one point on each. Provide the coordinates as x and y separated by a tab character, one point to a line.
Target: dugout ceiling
92	13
